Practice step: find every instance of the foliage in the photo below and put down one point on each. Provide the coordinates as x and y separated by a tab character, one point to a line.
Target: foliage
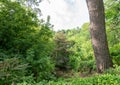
115	53
82	49
38	55
110	77
113	28
115	70
105	79
23	34
16	24
87	66
61	53
12	70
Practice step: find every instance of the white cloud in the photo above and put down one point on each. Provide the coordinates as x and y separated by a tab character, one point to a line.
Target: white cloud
65	13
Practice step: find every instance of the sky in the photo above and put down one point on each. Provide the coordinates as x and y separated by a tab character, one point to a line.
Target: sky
65	14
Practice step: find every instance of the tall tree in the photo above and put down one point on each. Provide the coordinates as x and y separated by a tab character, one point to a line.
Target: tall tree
98	34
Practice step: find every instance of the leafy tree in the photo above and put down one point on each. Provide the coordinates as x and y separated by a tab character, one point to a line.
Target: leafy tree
16	24
24	35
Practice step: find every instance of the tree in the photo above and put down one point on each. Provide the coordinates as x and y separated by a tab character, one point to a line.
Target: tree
24	36
98	34
61	52
16	24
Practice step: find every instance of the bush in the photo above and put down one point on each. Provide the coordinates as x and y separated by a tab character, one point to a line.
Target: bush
12	70
105	79
115	53
42	67
74	62
87	66
115	70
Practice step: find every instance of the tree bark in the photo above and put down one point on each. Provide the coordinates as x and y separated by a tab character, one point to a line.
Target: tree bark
98	35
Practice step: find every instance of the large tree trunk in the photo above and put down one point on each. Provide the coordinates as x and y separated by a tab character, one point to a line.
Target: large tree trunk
98	34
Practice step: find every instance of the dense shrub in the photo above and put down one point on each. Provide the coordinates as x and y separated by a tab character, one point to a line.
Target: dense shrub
74	62
87	66
115	70
106	79
115	53
12	70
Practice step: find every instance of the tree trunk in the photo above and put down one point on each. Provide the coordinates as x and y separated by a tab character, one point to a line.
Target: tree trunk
98	35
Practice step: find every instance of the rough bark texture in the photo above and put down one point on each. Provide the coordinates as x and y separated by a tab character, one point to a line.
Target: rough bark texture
98	34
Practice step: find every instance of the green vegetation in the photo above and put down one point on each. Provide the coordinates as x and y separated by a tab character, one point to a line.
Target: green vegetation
31	53
113	29
96	80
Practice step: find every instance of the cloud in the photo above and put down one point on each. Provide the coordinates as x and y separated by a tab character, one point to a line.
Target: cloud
65	13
